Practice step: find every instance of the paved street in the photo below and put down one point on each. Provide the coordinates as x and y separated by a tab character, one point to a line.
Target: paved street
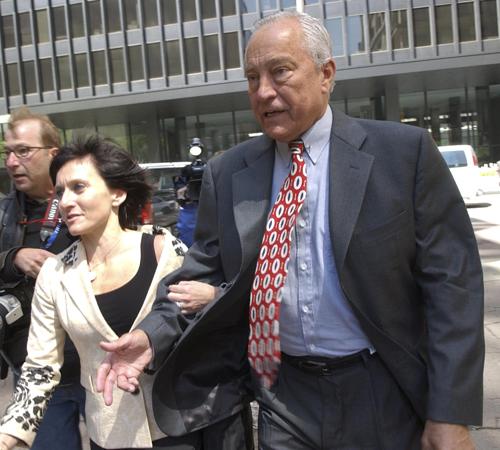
486	222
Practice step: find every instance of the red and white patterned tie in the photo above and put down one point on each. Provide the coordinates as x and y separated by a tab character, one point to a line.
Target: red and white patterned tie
264	351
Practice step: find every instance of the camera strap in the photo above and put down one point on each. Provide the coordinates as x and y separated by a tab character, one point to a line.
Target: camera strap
51	224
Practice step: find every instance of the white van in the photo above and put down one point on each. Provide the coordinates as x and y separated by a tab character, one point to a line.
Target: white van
463	165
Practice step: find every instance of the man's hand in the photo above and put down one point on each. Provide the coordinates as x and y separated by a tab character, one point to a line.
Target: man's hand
7	442
446	436
191	296
30	260
126	359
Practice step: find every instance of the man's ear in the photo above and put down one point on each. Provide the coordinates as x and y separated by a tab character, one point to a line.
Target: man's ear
328	70
53	151
118	196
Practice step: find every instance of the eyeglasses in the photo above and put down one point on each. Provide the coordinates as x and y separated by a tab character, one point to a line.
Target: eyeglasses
22	152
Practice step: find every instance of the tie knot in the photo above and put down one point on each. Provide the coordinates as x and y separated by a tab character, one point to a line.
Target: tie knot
296	147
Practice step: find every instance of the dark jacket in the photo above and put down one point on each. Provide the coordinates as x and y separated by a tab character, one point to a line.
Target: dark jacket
13	209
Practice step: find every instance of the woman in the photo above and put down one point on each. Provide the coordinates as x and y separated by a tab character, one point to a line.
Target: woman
99	288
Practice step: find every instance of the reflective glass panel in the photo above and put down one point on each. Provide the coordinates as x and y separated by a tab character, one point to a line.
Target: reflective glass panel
99	67
211	47
188	10
228	7
154	60
399	29
95	19
288	3
81	72
76	20
231	50
42	26
334	27
355	34
466	25
267	5
29	77
444	31
63	71
246	125
13	79
169	11
173	57
117	132
117	65
248	6
192	55
135	61
59	18
113	15
25	27
7	30
208	8
131	14
150	13
489	19
421	27
376	27
47	74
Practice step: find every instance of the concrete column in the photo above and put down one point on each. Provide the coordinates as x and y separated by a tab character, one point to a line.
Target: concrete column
392	111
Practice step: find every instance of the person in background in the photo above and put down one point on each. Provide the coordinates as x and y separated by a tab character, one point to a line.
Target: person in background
99	288
352	275
30	232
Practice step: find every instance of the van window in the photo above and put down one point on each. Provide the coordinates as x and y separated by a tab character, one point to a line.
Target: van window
455	158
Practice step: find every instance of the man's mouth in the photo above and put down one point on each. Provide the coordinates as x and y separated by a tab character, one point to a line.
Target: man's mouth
268	114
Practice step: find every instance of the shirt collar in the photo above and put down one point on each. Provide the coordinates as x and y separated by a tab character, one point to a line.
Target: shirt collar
315	139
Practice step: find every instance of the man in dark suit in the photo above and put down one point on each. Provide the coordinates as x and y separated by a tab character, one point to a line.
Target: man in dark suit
381	312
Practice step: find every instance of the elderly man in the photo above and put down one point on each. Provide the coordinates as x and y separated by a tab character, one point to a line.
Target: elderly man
349	245
31	231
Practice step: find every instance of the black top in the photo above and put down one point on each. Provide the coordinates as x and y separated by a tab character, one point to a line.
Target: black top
121	306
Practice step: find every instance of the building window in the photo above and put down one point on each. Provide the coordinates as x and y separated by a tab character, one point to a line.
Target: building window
268	5
421	27
131	14
150	13
154	60
99	67
399	29
334	27
47	74
489	19
60	31
25	26
466	28
231	50
169	11
13	79
211	47
188	10
192	55
173	58
228	7
288	4
248	6
82	74
135	61
208	9
29	77
444	30
378	36
355	34
117	132
94	16
8	31
42	26
63	71
117	65
76	20
113	16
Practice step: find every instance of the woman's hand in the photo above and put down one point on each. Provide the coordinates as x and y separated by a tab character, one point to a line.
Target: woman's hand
191	296
7	442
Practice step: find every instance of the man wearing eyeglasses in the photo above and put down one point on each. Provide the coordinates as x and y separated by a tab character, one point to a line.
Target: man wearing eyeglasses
31	231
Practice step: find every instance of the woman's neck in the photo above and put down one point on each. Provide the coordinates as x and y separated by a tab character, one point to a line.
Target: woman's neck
102	244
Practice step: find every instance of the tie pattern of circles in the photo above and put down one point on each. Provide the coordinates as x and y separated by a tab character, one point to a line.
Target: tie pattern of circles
264	351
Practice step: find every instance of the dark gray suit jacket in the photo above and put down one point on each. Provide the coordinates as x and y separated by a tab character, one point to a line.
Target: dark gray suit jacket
405	253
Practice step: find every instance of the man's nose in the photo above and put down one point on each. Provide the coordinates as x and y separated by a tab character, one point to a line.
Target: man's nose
266	88
12	160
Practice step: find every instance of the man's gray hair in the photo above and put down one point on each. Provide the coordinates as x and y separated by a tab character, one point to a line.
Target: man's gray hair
316	39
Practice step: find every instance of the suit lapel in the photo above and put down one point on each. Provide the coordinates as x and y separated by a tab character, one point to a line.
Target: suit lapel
77	285
349	172
251	197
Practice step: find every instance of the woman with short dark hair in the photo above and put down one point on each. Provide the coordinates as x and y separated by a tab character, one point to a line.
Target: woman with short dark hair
99	288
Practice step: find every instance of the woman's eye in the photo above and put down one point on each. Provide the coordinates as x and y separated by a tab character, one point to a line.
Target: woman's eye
78	187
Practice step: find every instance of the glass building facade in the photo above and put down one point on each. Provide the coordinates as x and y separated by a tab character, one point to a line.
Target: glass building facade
152	74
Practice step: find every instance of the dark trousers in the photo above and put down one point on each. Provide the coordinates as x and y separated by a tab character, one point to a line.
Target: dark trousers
233	433
354	407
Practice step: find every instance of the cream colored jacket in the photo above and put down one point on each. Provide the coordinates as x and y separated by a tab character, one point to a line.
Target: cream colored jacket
64	303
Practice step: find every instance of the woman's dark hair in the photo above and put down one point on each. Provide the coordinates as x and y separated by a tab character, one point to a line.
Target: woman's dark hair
115	165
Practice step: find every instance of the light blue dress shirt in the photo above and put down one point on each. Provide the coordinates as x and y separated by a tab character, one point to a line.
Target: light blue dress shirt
315	317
